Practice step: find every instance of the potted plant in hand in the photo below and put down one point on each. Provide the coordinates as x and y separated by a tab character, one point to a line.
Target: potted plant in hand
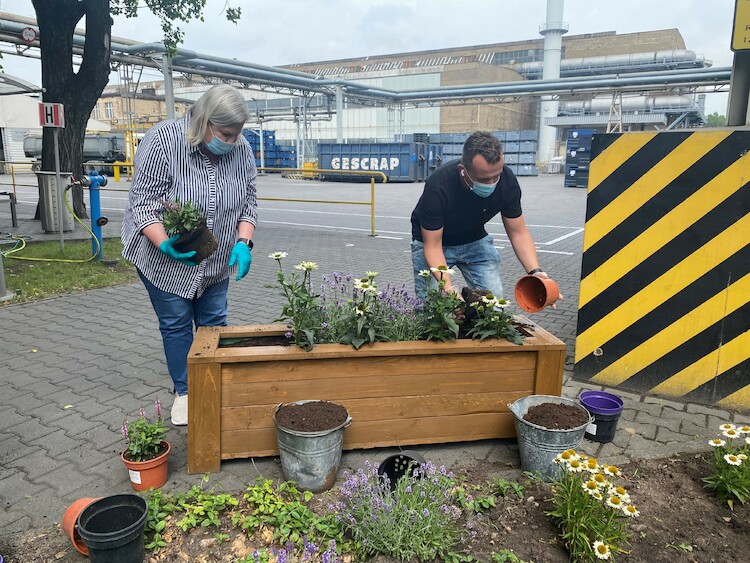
147	452
187	221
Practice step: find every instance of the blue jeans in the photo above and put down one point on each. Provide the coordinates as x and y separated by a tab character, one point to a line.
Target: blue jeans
177	316
478	261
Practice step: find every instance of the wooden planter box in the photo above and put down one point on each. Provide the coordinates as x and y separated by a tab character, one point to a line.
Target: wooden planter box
398	393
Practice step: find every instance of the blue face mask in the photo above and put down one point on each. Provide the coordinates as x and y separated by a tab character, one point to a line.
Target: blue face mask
482	190
219	147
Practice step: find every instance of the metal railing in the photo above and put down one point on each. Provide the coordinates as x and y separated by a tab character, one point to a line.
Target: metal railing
315	172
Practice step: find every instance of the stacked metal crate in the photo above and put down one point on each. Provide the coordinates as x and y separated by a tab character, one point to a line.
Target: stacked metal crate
451	144
275	155
578	158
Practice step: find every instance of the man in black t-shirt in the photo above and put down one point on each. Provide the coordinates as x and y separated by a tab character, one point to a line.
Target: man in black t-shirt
459	198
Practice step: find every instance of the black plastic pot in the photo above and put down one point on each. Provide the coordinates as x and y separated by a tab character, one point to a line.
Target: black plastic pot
396	466
112	529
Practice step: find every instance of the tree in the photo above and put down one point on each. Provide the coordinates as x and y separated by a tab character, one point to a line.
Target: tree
79	91
715	120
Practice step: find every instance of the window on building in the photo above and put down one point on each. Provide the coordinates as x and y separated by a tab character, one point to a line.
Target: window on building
109	110
96	113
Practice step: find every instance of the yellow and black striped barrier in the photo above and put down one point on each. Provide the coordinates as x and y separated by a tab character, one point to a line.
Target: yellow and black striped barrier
665	280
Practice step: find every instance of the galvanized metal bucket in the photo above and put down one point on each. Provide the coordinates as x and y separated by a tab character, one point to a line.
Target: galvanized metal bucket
311	459
537	445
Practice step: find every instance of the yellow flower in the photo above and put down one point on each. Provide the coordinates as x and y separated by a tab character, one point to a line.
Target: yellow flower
592	465
575	466
601	549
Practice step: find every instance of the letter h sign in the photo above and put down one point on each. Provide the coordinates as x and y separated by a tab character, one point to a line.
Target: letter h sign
51	115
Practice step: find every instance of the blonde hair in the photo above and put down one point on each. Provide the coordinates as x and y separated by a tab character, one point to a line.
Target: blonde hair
221	105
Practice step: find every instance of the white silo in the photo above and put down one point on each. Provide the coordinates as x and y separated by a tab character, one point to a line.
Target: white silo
552	30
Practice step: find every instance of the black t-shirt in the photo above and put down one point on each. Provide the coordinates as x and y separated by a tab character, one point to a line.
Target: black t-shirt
447	204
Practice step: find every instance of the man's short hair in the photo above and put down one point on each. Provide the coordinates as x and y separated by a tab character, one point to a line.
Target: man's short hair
481	142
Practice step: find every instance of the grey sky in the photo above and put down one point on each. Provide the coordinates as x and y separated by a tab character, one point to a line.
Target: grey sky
275	33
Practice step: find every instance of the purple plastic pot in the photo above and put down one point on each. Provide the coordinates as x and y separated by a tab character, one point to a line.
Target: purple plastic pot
606	409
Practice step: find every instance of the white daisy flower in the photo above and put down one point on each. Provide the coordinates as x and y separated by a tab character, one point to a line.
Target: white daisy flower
730	433
744	429
601	549
727	426
424	273
443	269
277	255
371	275
630	510
732	459
716	442
612	470
614	501
307	266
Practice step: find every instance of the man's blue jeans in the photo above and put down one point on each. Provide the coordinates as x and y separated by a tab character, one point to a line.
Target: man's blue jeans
478	261
177	316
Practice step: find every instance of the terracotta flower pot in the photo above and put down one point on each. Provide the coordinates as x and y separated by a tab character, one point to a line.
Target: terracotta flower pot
147	474
69	525
534	293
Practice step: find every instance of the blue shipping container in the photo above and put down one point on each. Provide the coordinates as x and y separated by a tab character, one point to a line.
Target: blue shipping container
400	162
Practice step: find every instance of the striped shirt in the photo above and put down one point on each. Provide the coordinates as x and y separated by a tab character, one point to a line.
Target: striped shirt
168	167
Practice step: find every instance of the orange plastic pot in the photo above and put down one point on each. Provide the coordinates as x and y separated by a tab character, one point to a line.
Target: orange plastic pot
534	293
70	526
147	474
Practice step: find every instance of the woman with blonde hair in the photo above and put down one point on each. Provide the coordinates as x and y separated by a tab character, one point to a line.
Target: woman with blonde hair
202	158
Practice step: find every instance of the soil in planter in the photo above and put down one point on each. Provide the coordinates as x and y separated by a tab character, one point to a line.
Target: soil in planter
129	457
251	341
199	239
556	416
314	416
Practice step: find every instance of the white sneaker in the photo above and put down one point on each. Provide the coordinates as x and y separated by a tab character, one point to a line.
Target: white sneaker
180	410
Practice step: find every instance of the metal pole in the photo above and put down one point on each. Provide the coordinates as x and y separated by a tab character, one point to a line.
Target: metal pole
738	105
339	114
166	70
372	206
60	192
262	145
96	228
5	295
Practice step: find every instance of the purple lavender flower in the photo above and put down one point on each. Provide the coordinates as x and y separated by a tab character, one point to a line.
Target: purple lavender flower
157	404
124	428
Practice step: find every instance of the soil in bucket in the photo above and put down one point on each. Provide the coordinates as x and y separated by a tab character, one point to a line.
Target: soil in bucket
112	528
606	409
546	426
556	416
310	436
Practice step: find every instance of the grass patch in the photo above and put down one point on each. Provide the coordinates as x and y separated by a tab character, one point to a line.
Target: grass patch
31	280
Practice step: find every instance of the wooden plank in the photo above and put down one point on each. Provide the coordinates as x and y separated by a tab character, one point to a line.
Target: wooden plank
205	344
204	418
412	348
370	409
284	371
374	434
549	373
394	384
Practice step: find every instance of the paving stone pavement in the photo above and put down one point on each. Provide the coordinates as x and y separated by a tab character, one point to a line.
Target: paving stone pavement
74	366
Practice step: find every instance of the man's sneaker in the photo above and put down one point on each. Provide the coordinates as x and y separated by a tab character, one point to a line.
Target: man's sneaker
180	410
